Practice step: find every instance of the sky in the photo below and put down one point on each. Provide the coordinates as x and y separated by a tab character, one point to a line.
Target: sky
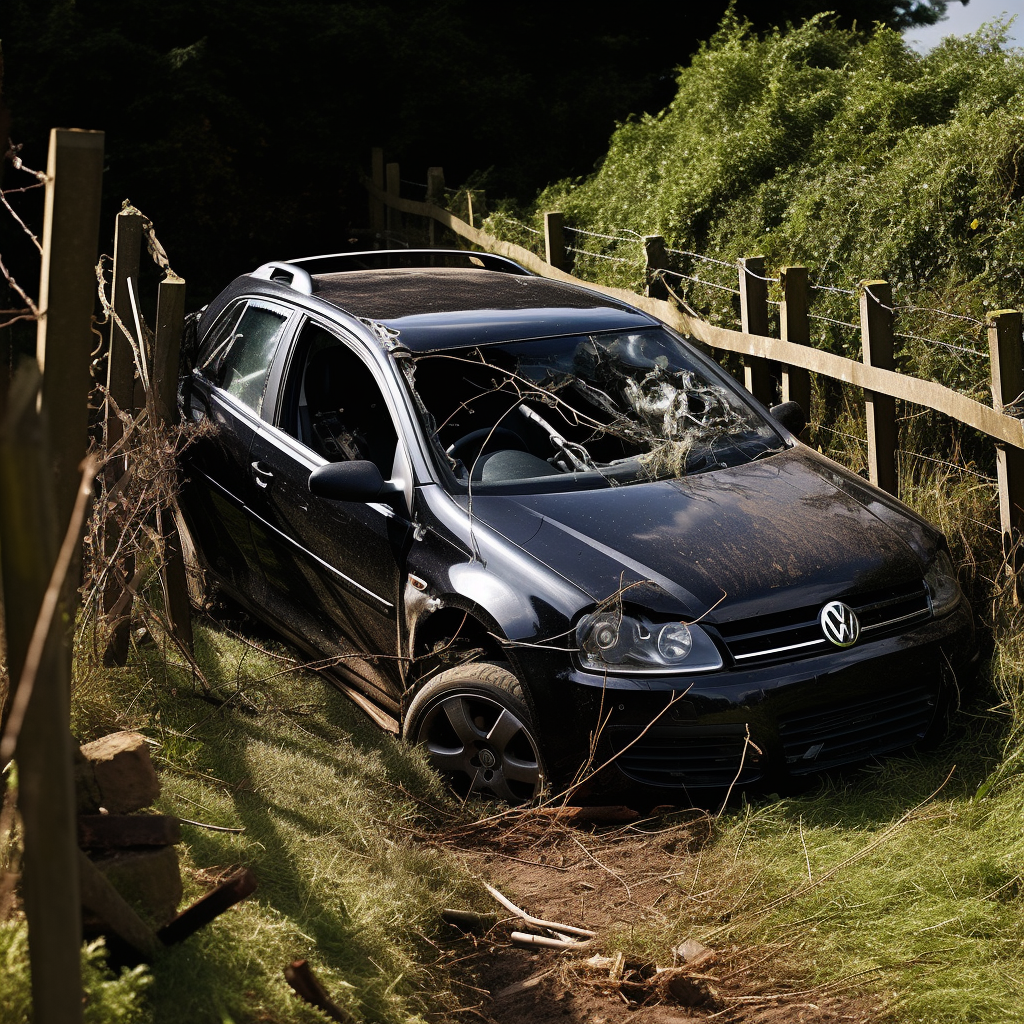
961	20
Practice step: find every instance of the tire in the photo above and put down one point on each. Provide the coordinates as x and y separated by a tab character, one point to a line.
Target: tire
478	731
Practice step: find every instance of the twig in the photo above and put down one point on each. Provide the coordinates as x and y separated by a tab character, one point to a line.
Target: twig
47	611
535	921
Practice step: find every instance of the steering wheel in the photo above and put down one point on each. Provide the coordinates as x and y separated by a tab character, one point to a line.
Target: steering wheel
490	439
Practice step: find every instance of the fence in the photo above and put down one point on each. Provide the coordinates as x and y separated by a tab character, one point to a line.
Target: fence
46	483
874	372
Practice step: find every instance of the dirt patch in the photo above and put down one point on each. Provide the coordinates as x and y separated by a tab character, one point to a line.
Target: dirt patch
618	881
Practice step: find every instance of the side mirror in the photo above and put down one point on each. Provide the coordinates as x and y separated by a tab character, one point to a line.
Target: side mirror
350	481
790	415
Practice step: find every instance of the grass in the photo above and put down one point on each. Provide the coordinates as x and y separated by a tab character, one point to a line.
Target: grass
319	797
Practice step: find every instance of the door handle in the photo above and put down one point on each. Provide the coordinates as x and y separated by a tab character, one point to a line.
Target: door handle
262	475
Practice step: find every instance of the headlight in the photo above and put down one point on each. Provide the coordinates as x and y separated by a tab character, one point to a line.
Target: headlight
943	588
611	641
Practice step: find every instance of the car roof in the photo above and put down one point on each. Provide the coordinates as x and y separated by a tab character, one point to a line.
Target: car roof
445	308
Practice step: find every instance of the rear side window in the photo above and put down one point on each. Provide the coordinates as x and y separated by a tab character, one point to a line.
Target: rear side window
240	350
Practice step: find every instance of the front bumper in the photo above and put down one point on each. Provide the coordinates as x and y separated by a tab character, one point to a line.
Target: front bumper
736	727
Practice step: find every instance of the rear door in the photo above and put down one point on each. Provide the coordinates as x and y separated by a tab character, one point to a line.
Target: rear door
228	387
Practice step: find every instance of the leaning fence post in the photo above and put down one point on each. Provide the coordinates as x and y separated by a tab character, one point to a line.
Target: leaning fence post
754	320
64	341
120	397
394	188
1004	345
794	326
170	316
876	318
554	239
656	260
435	195
377	218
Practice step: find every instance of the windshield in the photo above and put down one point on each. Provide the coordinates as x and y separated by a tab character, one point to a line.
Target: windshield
584	411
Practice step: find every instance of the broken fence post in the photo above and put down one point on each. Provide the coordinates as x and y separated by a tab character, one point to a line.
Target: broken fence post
231	891
120	396
554	239
876	318
170	316
657	260
1007	362
794	326
754	318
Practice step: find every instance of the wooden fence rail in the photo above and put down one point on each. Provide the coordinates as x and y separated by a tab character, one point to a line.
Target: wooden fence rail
874	373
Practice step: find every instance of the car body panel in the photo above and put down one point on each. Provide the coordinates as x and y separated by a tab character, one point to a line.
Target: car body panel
758	546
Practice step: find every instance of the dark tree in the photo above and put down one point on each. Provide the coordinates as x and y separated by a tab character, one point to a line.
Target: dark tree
240	126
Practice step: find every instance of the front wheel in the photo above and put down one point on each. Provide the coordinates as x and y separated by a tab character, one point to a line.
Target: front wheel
478	731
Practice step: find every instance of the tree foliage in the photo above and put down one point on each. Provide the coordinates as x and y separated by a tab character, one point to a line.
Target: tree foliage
241	127
839	149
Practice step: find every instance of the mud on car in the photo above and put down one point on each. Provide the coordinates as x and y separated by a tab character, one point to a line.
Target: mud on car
536	530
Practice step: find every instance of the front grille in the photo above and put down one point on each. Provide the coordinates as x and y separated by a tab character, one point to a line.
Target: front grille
687	756
857	730
783	636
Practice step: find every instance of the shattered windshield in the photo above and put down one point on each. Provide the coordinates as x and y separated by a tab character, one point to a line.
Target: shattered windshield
584	411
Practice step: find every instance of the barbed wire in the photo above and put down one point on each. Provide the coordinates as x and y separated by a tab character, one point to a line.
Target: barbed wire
944	344
940	312
521	224
701	256
610	238
951	465
20	165
832	320
751	273
832	288
597	255
696	280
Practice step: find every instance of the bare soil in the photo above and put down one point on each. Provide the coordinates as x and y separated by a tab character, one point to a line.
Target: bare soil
617	880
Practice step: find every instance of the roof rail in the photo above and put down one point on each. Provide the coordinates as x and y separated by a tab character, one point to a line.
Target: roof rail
284	273
387	259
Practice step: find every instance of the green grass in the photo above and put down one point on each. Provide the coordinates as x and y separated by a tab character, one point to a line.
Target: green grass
321	797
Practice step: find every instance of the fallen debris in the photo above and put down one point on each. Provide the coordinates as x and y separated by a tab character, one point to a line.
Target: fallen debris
306	986
560	930
528	940
233	889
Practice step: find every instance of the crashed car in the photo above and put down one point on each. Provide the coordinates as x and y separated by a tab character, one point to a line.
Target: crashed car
534	529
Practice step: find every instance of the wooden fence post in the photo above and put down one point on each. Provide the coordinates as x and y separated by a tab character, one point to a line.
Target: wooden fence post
392	217
554	239
1007	361
754	318
435	195
876	317
469	208
794	326
377	218
67	294
170	316
121	394
46	796
656	259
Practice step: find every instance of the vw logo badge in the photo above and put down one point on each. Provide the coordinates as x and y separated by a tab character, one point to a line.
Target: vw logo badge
839	624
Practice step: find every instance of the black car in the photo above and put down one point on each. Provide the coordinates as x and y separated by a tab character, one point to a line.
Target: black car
535	529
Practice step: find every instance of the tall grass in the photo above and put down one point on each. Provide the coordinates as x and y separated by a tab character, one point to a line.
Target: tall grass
315	798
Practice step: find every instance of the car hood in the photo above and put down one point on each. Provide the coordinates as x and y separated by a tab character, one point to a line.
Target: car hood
784	532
